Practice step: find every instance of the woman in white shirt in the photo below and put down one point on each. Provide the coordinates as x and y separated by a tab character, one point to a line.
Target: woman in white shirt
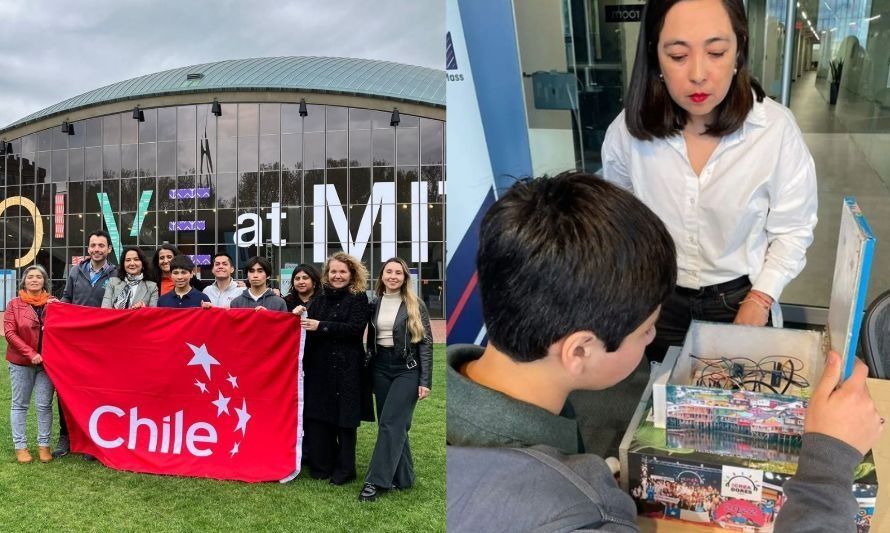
725	168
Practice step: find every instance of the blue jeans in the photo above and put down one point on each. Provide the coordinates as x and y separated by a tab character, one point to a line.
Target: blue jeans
24	380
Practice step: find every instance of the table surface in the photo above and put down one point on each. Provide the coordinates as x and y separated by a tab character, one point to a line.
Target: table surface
880	391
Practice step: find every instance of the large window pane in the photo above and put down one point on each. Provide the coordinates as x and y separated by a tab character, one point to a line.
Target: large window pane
111	130
269	189
313	150
167	124
148	159
269	153
291	152
166	158
111	157
360	148
129	128
337	118
227	123
93	163
335	149
407	143
128	160
75	164
359	119
432	139
227	155
383	148
291	121
186	153
185	123
314	121
270	118
247	154
148	130
248	120
60	165
94	132
291	188
226	185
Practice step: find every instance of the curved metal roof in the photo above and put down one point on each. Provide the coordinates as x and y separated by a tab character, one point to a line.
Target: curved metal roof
336	75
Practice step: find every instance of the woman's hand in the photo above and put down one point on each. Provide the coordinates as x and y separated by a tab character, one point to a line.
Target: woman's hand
422	392
299	310
206	305
52	300
259	308
754	310
138	305
37	359
310	324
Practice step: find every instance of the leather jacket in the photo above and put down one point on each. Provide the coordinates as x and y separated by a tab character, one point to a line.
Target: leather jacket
22	328
421	353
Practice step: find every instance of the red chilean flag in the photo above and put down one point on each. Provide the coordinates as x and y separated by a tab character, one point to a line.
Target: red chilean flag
192	392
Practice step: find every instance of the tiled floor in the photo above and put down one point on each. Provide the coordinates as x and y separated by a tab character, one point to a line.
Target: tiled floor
852	159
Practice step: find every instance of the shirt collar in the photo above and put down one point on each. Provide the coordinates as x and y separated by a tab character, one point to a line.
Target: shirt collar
515	422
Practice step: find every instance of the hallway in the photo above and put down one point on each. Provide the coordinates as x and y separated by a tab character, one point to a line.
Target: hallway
850	161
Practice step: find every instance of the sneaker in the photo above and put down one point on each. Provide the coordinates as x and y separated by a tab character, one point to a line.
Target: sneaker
63	448
22	455
369	493
45	454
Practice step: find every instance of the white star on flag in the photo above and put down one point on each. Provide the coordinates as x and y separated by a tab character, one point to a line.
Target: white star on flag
234	449
243	417
233	380
202	358
222	405
201	386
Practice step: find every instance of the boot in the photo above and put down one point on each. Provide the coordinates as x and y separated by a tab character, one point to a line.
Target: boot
23	455
63	447
45	454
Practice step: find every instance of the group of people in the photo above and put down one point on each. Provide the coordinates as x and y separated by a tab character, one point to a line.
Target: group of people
340	373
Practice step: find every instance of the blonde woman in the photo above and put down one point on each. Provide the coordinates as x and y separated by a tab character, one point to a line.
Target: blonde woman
401	347
23	327
332	365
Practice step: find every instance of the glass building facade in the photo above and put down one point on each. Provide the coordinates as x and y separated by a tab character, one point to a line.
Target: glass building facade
260	179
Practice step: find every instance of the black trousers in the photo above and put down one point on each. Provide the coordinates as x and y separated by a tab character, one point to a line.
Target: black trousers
395	387
330	450
716	303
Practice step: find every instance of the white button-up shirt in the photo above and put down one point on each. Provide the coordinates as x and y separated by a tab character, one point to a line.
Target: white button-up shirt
223	298
751	211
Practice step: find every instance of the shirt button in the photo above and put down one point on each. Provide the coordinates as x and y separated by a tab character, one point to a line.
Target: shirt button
692	201
691	239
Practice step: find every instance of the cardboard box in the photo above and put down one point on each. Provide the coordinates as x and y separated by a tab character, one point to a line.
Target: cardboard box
742	391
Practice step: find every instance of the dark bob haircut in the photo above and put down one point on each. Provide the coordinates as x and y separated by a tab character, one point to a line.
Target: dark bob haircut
262	261
146	266
567	254
313	274
649	109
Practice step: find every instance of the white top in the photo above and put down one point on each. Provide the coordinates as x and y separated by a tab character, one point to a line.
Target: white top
223	298
386	318
751	211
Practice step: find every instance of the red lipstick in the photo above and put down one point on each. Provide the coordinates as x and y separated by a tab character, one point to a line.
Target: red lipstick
698	97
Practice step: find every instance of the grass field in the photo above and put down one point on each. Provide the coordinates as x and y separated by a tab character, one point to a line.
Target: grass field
75	495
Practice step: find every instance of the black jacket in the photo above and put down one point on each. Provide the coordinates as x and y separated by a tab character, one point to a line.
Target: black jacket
422	351
334	356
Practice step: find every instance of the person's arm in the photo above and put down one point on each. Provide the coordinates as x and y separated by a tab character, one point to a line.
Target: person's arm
615	153
68	293
791	217
841	425
108	298
425	348
152	295
10	329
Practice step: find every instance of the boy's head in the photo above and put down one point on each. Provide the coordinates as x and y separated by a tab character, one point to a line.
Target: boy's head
181	268
578	261
259	270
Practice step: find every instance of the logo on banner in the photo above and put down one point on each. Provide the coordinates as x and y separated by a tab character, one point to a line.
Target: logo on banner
742	483
451	60
174	431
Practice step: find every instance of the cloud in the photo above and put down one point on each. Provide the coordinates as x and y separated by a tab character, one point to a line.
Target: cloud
55	50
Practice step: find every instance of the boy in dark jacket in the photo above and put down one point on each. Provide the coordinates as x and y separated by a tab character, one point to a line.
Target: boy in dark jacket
572	272
258	295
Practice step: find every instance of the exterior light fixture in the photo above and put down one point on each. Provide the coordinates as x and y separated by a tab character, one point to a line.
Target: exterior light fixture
394	119
138	114
71	128
216	109
303	111
64	126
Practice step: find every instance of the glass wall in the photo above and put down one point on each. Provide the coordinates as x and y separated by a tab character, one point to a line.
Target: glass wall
258	180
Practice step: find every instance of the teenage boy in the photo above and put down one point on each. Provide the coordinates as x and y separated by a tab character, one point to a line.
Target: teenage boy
86	286
258	295
225	288
572	272
183	294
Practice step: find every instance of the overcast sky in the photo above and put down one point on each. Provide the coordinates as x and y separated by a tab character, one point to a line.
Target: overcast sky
51	50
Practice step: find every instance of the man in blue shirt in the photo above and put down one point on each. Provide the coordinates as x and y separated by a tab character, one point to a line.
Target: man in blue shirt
183	295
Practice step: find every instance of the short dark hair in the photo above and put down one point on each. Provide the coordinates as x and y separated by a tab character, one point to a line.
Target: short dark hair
183	262
649	111
146	266
100	233
262	261
567	254
223	254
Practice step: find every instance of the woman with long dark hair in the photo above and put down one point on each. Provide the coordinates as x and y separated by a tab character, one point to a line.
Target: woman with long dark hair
725	168
401	346
23	327
133	287
332	363
161	267
305	284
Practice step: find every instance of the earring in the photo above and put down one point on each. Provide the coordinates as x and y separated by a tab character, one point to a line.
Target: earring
735	71
661	76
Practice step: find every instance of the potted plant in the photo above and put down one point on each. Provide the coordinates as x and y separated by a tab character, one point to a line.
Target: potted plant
837	70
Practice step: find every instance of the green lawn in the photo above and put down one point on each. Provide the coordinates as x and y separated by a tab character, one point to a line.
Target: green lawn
74	495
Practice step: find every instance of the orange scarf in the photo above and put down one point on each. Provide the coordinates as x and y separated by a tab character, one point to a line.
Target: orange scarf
38	301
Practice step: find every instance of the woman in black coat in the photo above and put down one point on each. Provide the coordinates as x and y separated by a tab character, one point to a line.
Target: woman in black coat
333	361
401	344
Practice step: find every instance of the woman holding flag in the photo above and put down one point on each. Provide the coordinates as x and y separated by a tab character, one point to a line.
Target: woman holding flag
23	327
